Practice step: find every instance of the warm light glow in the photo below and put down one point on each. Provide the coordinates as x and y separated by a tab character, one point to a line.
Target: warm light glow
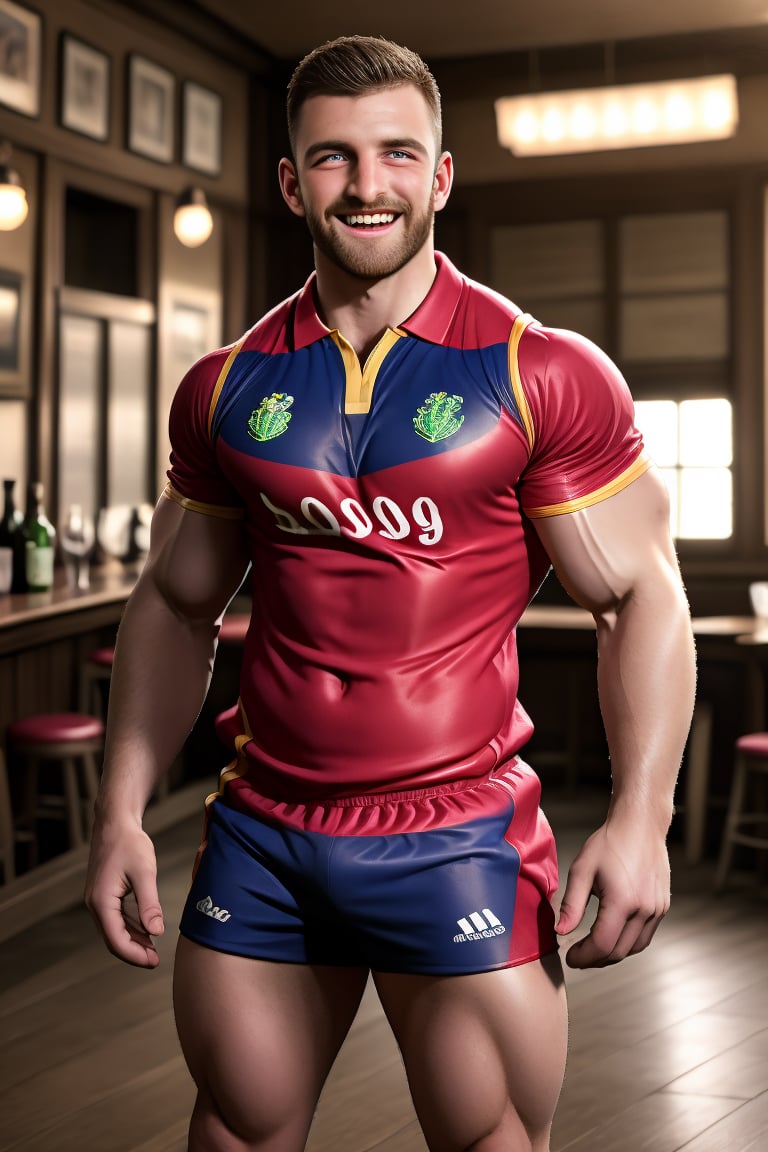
14	208
626	116
192	221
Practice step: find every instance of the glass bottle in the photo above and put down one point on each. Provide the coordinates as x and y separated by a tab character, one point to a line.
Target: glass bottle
10	536
39	540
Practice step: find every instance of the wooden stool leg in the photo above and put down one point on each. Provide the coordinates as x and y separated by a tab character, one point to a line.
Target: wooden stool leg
697	782
735	808
7	832
90	769
73	801
27	820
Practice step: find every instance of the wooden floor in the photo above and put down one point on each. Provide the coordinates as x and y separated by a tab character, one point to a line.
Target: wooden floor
669	1050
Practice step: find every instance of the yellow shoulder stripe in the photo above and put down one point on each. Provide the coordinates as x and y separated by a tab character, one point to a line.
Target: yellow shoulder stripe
223	511
521	323
220	380
635	470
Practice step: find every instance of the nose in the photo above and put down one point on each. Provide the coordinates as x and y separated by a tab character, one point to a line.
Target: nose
365	182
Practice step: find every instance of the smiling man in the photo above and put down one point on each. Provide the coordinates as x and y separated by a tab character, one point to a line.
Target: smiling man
399	454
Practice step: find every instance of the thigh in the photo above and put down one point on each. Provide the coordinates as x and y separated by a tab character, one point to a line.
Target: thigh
259	1039
485	1053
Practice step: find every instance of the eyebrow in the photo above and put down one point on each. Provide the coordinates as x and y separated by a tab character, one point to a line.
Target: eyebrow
404	142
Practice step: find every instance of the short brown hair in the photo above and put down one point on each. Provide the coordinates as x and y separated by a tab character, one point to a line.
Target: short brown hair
355	66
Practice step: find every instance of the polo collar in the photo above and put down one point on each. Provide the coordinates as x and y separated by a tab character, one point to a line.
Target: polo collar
431	321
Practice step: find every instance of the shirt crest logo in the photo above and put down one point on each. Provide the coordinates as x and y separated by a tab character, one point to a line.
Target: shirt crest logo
439	417
271	418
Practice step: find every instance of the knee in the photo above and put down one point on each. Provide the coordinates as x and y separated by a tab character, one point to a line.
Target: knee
510	1134
228	1127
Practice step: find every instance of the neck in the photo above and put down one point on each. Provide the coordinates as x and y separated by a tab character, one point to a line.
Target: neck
363	310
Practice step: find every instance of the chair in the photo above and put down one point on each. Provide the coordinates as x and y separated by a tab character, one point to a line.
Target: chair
746	822
72	744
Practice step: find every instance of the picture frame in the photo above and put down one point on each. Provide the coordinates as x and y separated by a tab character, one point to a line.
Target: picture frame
14	325
85	88
201	129
151	109
20	57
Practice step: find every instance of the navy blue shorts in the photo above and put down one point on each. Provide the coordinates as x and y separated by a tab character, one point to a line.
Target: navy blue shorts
463	897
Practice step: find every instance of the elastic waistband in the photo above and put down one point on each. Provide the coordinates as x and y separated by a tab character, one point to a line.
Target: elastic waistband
392	812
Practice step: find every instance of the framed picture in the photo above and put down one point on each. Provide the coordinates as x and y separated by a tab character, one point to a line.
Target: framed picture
20	52
201	129
10	332
84	88
151	93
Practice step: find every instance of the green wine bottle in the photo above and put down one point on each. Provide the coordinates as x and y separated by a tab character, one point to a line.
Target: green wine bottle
39	540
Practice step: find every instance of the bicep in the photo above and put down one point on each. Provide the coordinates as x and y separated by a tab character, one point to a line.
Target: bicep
615	548
196	561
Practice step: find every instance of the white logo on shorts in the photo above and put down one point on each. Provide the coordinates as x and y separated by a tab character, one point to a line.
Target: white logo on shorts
208	908
479	927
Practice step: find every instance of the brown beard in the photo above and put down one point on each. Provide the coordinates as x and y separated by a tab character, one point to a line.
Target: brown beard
347	256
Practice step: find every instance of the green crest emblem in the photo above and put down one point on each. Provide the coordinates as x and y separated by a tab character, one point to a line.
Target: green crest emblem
271	418
439	417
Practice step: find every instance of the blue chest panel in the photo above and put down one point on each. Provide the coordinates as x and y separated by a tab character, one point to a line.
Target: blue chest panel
288	408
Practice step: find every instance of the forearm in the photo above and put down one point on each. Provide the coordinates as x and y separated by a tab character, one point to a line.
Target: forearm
162	669
646	682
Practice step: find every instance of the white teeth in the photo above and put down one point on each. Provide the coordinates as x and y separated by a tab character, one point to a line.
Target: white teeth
371	218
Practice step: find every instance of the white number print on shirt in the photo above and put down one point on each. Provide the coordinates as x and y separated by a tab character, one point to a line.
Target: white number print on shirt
386	517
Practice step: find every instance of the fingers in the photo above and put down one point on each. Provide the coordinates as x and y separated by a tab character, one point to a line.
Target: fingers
124	933
573	906
122	896
148	906
615	934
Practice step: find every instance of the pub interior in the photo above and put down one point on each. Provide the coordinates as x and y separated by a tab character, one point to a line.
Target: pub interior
113	116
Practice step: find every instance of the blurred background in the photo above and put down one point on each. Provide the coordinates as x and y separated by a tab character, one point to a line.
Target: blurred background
611	177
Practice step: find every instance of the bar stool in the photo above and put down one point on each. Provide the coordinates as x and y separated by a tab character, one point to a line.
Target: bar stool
747	819
95	672
72	743
233	628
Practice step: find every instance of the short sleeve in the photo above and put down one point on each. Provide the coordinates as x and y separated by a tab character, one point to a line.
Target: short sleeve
195	478
579	416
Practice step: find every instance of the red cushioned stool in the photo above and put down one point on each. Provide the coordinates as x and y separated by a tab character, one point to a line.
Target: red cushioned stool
95	672
233	628
71	742
747	819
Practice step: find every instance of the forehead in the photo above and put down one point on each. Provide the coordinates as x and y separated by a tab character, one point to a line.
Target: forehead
382	116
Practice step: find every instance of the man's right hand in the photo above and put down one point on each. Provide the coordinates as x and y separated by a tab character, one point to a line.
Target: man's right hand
121	892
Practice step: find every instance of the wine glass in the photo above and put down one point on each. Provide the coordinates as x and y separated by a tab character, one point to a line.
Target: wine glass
123	531
77	536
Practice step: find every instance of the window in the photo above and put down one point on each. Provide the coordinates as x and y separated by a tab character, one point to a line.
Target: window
556	272
105	401
692	444
674	285
667	325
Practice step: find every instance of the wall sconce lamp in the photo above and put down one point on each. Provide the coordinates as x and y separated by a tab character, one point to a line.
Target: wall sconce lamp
13	198
620	116
192	220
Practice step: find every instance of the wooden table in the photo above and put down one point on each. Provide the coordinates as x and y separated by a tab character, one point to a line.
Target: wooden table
742	640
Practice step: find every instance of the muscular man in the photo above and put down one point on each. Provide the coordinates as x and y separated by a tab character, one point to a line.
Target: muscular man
399	454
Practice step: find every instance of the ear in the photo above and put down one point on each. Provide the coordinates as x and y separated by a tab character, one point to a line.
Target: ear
289	186
443	180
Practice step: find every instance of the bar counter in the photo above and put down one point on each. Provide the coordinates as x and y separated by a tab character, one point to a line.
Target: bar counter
33	618
45	638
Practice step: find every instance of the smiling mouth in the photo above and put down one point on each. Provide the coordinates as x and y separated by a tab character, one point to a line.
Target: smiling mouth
368	219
